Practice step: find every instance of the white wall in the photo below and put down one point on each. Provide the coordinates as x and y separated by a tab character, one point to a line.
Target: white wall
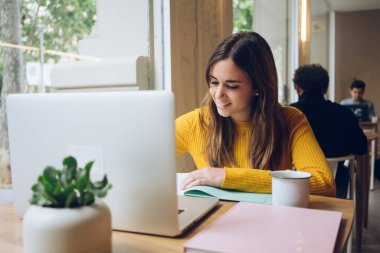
319	40
270	21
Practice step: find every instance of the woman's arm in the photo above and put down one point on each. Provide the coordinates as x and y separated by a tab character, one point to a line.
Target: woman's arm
306	156
184	131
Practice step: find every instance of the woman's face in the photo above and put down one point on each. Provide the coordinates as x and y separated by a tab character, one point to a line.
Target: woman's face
231	89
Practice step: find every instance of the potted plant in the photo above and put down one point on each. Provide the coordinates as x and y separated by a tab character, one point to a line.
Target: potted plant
65	215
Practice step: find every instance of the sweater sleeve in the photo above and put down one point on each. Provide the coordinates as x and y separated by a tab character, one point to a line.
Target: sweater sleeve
306	156
183	130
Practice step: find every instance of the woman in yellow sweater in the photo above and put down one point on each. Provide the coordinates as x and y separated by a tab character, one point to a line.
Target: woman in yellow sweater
243	133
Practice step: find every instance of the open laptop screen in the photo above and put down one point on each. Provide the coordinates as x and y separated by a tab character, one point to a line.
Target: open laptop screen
130	135
360	111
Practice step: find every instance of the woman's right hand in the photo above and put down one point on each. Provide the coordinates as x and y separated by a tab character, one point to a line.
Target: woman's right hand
206	176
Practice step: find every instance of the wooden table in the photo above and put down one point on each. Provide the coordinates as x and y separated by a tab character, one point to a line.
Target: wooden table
372	137
370	130
11	229
362	188
368	125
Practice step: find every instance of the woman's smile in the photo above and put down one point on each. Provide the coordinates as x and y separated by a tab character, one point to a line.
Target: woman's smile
231	90
222	104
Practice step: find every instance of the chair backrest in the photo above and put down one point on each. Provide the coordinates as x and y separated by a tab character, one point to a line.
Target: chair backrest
333	167
333	162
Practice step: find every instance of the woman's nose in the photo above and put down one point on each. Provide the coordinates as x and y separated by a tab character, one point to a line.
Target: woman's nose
220	92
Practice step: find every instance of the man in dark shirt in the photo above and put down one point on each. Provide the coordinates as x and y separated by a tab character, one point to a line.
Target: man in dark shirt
336	128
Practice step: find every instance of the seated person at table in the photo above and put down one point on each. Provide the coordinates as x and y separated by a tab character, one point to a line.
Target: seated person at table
243	132
357	90
336	128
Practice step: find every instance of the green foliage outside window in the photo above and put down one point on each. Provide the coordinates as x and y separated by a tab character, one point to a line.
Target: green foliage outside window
65	21
1	70
242	15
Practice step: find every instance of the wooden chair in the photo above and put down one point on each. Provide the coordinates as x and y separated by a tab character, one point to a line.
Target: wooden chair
372	136
333	163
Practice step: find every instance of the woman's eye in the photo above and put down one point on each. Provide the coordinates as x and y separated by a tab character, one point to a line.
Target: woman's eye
214	83
232	87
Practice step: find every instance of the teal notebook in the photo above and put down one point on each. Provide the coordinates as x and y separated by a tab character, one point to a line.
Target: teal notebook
222	194
213	192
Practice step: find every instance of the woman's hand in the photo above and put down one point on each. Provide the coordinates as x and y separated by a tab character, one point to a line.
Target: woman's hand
206	176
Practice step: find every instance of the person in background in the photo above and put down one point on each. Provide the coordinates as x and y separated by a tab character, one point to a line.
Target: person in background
243	133
357	90
336	127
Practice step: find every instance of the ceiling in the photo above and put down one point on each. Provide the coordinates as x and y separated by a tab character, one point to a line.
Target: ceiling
353	5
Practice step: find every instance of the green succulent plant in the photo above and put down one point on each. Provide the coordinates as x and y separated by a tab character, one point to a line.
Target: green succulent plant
69	187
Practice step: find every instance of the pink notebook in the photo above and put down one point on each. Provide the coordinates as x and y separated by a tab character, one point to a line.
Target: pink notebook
249	227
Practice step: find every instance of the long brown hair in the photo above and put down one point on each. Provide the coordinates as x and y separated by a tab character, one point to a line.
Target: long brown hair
269	133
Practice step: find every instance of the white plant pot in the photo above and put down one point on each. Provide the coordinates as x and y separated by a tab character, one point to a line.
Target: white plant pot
67	230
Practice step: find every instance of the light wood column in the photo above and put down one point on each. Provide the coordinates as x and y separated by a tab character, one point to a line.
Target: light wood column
197	27
304	45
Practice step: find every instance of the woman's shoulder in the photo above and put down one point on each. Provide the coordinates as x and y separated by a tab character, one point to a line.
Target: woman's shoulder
195	116
291	113
196	113
295	120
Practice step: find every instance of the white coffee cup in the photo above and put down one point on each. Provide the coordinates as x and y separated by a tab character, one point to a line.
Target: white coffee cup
290	188
374	119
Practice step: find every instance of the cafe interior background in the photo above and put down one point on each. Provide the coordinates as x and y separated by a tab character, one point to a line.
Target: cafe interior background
165	45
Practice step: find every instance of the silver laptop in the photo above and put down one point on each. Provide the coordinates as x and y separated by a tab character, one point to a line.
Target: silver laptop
130	135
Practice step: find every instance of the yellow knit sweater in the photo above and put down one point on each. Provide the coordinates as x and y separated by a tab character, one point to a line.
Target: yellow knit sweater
305	152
